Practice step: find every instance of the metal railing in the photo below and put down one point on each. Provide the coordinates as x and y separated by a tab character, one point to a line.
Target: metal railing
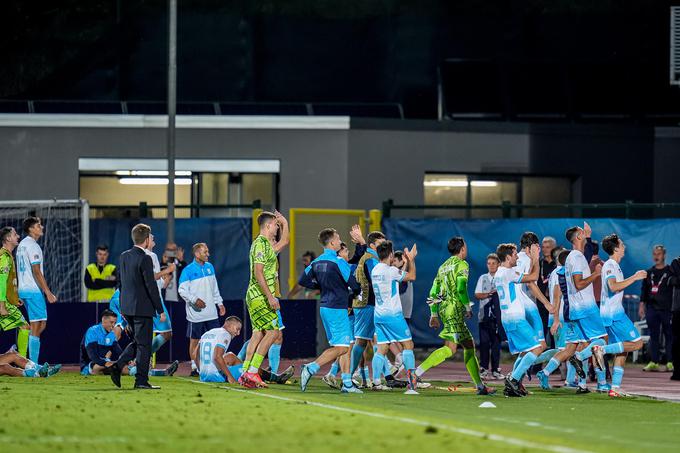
145	210
627	210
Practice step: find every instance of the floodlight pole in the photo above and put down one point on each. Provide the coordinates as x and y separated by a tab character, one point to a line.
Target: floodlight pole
172	105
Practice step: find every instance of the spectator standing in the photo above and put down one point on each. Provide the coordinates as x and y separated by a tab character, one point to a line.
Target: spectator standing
173	255
656	301
101	277
489	321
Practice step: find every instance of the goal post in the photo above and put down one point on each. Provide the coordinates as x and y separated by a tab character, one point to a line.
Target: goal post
305	224
65	243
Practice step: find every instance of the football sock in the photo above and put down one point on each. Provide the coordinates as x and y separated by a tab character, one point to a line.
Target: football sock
527	360
409	359
274	355
546	356
34	348
22	341
552	365
617	376
437	357
472	365
378	367
613	348
347	380
357	353
255	363
158	341
334	368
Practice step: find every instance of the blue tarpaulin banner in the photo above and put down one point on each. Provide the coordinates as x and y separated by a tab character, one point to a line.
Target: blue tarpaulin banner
482	237
228	240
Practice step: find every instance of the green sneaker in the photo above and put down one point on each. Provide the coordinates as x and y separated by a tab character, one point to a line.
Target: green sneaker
651	366
669	367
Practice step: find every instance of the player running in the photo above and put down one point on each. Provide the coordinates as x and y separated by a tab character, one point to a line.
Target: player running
522	336
332	276
390	324
449	302
623	336
32	283
10	315
263	306
580	306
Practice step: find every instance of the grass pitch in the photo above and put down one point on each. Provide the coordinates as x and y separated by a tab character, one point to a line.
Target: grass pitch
69	412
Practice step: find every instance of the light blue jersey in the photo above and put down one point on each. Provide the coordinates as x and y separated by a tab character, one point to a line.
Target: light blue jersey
581	302
209	342
611	303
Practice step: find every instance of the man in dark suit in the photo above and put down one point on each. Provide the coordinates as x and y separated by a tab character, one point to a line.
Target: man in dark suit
139	302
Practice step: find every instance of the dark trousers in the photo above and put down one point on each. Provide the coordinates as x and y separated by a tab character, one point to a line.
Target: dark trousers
676	344
139	347
658	320
489	344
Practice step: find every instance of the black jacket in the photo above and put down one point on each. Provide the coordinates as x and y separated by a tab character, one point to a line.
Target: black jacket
138	291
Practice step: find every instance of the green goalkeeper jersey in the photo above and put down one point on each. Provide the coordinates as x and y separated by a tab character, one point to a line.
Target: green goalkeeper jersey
450	283
262	252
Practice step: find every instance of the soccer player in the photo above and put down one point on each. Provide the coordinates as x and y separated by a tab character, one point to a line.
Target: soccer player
623	336
13	364
580	306
451	304
162	329
198	287
390	324
10	316
99	350
567	334
332	276
32	283
522	336
263	306
489	321
214	366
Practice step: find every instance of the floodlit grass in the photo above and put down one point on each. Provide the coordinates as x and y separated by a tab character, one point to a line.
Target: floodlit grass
69	412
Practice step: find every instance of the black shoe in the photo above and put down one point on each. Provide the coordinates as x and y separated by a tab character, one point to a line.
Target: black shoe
675	378
194	373
286	375
578	366
582	390
146	387
512	388
172	369
115	375
393	383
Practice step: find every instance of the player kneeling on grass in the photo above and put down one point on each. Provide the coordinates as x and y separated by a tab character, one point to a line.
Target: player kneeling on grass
218	365
390	324
623	336
99	350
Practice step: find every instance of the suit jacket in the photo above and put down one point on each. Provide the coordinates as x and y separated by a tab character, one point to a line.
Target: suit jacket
138	291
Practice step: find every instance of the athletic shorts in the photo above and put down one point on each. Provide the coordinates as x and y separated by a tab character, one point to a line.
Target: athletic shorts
622	330
262	317
86	370
452	317
392	329
592	326
522	338
196	329
162	327
235	371
35	306
364	325
14	318
336	324
534	317
278	315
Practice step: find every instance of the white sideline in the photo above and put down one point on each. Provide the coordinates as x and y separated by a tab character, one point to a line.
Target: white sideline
468	432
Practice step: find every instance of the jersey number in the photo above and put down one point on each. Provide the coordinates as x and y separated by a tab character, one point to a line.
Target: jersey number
206	355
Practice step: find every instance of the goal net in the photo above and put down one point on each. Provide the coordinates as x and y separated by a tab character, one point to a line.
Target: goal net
65	242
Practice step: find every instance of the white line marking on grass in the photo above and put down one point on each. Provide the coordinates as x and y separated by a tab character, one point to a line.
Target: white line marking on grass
468	432
534	424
